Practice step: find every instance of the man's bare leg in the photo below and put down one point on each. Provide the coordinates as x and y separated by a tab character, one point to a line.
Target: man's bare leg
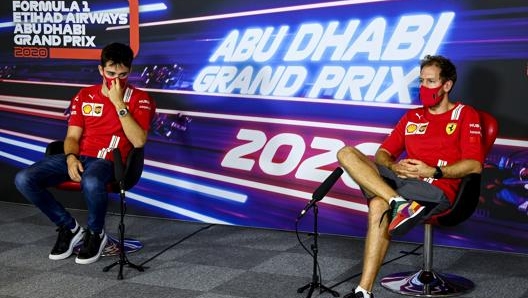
364	172
376	243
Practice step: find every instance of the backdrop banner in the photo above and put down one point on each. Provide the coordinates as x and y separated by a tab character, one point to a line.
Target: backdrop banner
255	98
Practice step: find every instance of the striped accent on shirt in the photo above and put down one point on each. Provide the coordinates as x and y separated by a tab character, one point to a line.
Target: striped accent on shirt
455	115
114	141
128	95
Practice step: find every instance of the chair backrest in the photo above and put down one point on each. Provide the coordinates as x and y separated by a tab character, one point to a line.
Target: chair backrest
55	147
490	129
468	195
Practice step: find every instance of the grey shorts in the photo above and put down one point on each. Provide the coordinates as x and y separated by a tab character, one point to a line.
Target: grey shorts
414	190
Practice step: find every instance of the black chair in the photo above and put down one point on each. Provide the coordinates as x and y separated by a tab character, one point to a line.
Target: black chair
427	282
133	169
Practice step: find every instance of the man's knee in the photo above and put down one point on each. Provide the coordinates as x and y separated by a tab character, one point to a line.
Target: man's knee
21	179
377	205
347	153
93	184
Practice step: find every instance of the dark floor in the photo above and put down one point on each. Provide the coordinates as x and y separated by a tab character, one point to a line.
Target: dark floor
196	260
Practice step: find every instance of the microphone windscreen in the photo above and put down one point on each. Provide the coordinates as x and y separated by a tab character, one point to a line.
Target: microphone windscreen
118	165
327	184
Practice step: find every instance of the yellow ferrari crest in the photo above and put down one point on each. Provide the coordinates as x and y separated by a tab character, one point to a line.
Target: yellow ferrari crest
450	128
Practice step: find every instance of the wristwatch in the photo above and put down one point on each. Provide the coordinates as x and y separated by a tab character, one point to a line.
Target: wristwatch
122	112
438	173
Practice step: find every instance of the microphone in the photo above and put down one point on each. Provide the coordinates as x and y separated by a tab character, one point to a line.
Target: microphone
118	166
323	189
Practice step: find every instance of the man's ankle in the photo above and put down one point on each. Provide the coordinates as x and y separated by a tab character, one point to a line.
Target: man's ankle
397	199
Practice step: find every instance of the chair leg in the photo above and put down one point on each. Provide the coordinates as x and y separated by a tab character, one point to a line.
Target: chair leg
426	282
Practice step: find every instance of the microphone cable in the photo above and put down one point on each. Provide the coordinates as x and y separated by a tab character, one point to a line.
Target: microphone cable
307	250
404	254
319	193
176	243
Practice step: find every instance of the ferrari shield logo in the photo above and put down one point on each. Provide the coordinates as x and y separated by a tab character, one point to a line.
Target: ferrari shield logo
450	128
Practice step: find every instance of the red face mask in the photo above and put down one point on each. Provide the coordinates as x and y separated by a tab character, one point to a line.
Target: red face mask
108	81
429	96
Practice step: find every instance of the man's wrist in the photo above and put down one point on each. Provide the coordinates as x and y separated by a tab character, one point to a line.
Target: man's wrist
71	154
438	173
120	106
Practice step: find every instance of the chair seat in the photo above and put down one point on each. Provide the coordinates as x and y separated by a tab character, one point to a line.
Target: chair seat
76	186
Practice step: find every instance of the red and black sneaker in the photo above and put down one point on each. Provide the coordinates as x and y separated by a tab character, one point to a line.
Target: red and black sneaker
406	218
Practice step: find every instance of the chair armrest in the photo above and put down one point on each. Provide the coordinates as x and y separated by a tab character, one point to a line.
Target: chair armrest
465	203
55	147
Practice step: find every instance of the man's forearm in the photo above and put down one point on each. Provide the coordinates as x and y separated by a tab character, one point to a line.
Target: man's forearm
134	133
461	168
384	158
71	146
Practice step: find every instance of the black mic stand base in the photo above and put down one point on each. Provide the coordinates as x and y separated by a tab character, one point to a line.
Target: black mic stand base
121	264
123	260
316	285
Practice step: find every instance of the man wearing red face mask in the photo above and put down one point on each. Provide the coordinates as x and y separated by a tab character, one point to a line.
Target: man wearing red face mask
442	142
103	117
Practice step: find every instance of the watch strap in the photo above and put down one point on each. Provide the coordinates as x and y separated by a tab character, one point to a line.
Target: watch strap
438	173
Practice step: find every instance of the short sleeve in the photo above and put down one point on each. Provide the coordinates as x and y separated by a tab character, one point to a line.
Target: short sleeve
76	117
471	136
395	142
143	110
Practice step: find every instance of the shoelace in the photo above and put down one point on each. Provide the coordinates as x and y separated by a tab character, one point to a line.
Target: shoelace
62	239
63	232
90	240
385	213
87	238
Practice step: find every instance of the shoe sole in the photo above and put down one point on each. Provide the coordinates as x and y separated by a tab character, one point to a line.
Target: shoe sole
407	224
96	257
353	295
76	239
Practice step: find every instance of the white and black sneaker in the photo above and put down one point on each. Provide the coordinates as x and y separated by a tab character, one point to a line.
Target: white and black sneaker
92	247
358	295
359	292
66	241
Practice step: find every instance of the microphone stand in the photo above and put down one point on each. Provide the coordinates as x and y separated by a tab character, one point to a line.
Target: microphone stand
123	260
316	282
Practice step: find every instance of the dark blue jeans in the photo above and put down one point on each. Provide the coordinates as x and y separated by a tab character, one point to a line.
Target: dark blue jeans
33	182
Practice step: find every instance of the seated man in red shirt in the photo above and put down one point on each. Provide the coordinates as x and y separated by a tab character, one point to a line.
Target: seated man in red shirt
442	141
110	115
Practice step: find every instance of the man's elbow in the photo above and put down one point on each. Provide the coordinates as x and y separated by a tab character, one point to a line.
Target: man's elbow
140	141
476	167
